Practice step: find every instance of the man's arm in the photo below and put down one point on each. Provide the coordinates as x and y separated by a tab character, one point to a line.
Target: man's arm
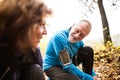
59	44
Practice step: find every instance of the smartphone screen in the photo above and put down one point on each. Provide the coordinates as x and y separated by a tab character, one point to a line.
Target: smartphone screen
64	57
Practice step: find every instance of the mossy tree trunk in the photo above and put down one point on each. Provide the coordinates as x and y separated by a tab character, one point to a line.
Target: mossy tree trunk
105	25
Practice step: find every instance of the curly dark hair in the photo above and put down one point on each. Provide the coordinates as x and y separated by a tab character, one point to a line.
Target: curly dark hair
16	18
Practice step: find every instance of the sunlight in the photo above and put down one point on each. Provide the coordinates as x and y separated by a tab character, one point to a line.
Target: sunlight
66	12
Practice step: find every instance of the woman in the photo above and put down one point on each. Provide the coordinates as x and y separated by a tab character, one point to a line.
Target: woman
22	25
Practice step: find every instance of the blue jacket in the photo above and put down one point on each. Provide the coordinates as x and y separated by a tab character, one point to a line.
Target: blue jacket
59	41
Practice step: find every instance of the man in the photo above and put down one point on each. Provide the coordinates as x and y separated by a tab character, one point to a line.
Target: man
66	50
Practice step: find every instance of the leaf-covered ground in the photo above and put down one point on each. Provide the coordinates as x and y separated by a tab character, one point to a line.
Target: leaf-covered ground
107	63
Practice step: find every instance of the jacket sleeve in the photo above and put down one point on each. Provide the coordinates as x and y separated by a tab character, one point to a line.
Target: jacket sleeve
59	43
71	68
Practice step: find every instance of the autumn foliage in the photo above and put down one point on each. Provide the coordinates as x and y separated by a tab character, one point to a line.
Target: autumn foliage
107	62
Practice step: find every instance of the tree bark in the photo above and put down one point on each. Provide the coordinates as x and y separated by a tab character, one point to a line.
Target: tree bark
106	33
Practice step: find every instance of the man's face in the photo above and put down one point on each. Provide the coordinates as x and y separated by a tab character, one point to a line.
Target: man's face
78	32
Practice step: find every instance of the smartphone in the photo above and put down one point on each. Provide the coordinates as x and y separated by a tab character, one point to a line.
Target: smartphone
64	57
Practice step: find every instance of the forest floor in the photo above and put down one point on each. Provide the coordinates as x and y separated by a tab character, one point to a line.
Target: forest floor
106	60
107	63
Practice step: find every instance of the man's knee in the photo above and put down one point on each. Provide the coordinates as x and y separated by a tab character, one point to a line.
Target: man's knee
86	52
89	50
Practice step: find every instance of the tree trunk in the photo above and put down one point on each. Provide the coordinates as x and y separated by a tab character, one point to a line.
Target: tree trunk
105	24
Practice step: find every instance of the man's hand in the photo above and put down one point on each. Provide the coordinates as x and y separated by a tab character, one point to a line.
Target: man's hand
95	78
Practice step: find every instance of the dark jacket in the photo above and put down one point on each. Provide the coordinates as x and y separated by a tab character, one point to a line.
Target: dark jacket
17	64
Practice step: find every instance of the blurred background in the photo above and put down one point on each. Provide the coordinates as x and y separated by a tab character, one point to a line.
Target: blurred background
66	12
104	16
